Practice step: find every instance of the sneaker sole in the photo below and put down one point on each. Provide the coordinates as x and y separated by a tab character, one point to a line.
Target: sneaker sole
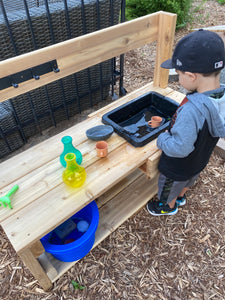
163	214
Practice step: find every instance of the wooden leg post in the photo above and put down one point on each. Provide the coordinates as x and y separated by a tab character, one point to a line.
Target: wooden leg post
28	256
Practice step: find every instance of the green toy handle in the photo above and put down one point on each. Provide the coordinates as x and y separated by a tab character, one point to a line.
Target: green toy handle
5	200
13	190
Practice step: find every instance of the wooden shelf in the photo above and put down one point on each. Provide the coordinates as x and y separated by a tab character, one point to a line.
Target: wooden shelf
126	202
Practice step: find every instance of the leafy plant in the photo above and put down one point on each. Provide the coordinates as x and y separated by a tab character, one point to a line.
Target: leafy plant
76	285
221	1
138	8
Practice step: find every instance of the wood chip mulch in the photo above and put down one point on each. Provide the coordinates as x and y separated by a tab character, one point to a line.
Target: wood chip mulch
180	257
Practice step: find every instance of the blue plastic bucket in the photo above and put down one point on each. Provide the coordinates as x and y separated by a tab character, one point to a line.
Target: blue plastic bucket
82	242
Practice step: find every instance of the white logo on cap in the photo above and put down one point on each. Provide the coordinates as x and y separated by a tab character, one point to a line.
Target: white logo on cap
178	62
219	64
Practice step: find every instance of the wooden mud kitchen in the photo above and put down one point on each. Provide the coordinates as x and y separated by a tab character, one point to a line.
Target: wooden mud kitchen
42	201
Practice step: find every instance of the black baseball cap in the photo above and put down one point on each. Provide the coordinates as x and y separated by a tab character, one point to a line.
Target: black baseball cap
200	51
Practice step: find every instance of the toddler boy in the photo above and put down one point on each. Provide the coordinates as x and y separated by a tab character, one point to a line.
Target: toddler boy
198	122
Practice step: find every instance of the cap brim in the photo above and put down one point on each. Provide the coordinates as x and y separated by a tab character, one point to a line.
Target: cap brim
167	64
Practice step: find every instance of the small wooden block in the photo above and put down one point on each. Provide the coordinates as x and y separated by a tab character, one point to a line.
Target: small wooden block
37	249
220	148
47	265
150	168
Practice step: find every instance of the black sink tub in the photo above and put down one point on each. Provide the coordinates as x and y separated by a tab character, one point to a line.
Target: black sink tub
131	119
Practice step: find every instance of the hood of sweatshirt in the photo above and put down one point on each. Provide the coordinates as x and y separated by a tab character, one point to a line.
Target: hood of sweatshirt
212	109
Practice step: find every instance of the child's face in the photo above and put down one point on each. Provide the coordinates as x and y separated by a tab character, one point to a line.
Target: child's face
187	80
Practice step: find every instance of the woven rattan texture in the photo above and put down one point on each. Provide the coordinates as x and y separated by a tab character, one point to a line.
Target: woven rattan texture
47	106
12	139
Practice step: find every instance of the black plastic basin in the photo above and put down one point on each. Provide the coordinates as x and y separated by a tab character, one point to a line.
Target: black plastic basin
130	120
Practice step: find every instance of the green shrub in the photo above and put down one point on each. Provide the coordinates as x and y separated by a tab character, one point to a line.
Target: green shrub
138	8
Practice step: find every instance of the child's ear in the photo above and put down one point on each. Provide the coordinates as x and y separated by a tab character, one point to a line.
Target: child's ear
192	76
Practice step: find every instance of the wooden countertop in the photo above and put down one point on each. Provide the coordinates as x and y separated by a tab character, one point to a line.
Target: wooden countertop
43	201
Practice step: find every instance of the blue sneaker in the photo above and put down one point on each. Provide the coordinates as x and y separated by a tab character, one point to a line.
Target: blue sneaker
181	200
157	208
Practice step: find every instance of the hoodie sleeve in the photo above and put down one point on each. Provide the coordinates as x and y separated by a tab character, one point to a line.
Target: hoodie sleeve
179	142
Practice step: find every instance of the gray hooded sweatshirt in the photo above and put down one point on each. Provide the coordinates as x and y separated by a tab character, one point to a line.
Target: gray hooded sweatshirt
187	146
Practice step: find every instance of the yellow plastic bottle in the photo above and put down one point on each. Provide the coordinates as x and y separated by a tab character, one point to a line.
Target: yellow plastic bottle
74	175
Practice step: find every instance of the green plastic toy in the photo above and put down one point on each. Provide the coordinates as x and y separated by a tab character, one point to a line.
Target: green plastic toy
5	200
